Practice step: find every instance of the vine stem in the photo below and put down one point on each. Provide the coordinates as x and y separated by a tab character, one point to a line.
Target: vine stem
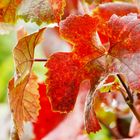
40	60
129	100
13	133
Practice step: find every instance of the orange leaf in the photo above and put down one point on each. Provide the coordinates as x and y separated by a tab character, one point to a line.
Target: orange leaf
42	10
24	101
23	89
24	54
8	11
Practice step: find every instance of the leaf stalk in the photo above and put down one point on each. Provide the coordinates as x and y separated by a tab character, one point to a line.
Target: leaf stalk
129	100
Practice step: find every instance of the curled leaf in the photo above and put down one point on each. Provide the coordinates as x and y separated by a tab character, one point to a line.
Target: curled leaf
91	122
24	54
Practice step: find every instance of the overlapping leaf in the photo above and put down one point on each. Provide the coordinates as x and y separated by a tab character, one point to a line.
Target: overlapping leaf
62	67
24	101
82	37
42	10
23	89
77	132
47	119
123	32
71	8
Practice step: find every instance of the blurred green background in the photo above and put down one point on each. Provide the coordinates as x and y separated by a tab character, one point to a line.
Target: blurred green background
7	43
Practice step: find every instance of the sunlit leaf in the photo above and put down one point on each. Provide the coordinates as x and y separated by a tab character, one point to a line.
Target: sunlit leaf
24	54
67	70
82	36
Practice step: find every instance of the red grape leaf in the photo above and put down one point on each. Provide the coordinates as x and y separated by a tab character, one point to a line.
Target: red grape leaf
47	119
67	70
8	9
62	68
24	101
124	40
42	10
77	133
106	10
125	33
24	54
82	36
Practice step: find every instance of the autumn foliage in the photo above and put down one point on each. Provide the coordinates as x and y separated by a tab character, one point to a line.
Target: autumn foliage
104	38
